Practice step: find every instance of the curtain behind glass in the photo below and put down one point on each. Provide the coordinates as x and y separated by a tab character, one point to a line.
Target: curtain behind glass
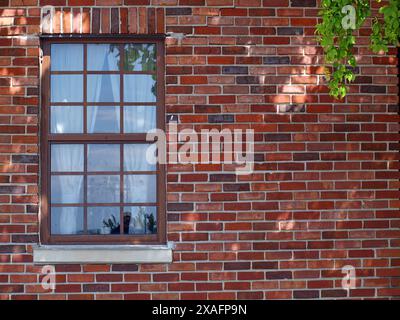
139	119
66	119
103	87
68	158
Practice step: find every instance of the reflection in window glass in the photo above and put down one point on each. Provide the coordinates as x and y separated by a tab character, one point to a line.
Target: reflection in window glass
67	57
66	88
139	88
66	119
103	189
66	189
102	119
103	57
103	220
67	158
140	189
140	57
67	220
103	157
103	88
142	220
139	119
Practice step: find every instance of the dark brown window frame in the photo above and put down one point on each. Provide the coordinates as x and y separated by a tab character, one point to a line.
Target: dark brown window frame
47	138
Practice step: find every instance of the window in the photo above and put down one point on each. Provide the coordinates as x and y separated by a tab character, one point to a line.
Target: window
99	99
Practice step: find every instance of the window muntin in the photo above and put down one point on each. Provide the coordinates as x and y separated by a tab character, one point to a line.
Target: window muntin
102	100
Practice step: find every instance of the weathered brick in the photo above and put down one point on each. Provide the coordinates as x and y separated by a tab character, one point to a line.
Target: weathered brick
276	60
235	70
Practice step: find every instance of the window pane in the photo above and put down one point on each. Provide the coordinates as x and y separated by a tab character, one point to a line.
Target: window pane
66	119
135	158
139	88
66	189
66	57
103	157
103	57
140	188
103	189
139	119
66	88
67	220
67	157
103	88
103	119
140	57
103	220
142	220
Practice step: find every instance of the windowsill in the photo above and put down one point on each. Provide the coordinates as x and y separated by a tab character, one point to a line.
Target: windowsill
116	254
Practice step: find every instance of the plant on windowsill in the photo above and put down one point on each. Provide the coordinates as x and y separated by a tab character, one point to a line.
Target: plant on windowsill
139	222
127	221
112	225
151	224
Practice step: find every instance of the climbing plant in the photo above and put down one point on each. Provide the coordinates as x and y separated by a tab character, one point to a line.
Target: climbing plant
337	36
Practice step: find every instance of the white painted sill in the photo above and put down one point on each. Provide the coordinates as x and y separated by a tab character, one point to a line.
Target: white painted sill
118	254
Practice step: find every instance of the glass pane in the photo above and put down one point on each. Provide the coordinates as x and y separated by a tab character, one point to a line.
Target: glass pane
103	119
67	157
139	119
66	57
140	57
66	189
139	88
103	157
142	220
67	220
136	157
103	189
103	57
140	188
103	220
103	88
66	88
66	119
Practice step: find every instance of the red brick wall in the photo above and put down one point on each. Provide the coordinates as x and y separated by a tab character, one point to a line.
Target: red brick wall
325	192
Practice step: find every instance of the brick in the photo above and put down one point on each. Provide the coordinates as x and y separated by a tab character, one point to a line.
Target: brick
235	70
303	3
178	11
9	189
226	118
180	206
290	31
276	60
25	159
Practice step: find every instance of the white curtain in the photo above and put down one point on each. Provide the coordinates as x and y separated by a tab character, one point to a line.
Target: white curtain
140	188
135	158
67	188
139	119
66	88
102	88
102	58
139	88
66	57
66	119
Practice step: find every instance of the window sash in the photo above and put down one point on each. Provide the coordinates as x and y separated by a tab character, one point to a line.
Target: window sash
48	138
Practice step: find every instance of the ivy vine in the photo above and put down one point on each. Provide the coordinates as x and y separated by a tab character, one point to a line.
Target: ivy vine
336	35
